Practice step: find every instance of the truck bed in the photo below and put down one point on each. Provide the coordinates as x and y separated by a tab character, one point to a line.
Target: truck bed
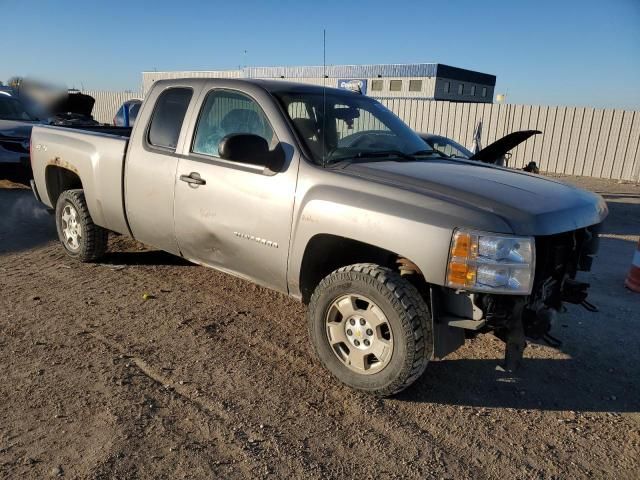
91	158
107	129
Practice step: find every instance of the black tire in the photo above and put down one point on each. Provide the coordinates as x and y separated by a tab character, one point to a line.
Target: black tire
92	243
407	315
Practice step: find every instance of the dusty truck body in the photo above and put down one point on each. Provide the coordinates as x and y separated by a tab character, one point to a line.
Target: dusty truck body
328	197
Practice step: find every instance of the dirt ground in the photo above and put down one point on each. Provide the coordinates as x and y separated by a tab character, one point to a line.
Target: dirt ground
213	377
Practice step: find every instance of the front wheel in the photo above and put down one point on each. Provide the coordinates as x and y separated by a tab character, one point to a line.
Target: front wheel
81	238
371	328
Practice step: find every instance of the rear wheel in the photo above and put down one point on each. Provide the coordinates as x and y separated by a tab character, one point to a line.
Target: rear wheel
371	328
81	238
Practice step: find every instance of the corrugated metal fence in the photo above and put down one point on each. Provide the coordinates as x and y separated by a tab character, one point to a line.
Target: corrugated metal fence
585	141
107	103
575	140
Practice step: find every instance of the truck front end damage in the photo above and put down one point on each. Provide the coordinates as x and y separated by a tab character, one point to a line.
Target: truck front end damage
513	317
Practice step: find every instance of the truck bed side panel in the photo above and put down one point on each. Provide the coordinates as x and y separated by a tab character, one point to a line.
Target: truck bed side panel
98	159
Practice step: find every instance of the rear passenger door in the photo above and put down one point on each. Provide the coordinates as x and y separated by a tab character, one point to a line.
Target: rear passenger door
237	217
150	170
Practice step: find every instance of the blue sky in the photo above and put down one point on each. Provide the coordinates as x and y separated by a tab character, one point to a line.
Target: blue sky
570	52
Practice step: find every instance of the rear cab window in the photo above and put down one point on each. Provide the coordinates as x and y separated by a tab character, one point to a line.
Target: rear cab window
167	118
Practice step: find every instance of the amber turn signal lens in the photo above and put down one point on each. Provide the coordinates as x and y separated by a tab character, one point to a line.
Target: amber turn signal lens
462	246
461	274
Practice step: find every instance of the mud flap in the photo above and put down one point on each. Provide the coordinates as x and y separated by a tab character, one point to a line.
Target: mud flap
446	339
515	341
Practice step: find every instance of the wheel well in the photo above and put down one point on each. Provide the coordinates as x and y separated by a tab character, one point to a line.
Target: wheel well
58	180
325	253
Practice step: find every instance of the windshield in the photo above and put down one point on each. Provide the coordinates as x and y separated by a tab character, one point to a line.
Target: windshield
448	147
12	109
337	127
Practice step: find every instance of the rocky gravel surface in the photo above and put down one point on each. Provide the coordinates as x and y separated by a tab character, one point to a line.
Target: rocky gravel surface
146	366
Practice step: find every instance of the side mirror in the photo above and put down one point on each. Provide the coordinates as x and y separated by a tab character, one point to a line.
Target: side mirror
245	148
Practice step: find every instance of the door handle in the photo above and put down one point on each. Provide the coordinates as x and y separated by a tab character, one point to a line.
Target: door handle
193	179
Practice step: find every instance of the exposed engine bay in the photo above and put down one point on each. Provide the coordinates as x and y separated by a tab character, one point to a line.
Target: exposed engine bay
512	318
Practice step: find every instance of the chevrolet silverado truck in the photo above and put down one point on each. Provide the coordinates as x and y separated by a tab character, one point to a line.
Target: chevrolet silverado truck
325	195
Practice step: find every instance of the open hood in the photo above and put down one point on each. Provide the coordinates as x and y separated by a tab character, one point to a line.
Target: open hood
491	153
75	103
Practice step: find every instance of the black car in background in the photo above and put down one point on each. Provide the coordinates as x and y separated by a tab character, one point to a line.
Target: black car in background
18	114
15	130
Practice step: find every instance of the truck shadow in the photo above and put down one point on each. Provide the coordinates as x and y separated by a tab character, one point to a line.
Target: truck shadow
15	174
24	222
540	384
148	257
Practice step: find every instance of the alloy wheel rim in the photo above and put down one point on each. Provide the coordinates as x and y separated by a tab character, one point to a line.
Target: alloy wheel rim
71	229
359	334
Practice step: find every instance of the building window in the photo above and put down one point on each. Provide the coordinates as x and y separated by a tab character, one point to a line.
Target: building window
376	85
447	87
473	90
484	92
415	85
460	88
395	85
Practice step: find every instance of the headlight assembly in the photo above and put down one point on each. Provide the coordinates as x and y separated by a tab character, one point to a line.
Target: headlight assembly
491	262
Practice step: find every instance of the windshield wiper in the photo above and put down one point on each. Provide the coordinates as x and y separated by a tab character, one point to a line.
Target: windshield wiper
408	157
385	153
433	152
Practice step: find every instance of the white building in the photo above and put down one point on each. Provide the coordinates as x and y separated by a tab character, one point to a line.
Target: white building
433	81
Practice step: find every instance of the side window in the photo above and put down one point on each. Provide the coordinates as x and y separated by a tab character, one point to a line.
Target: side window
168	116
225	112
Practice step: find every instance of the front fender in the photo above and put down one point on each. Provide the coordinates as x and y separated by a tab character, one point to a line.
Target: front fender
412	225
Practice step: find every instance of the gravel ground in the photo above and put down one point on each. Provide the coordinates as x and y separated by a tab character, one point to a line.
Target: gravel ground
213	377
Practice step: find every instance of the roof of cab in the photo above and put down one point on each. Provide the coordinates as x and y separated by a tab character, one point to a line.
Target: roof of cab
274	86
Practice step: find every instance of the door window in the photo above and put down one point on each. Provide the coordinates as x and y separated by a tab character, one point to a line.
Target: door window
225	112
168	116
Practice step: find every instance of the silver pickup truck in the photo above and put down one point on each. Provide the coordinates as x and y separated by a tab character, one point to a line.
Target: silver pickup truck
327	196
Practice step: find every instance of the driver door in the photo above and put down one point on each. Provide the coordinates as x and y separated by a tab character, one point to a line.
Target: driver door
232	216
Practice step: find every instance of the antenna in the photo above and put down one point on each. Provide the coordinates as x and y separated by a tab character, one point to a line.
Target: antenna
324	93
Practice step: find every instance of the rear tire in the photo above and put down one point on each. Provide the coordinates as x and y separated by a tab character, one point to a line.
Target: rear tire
82	239
371	312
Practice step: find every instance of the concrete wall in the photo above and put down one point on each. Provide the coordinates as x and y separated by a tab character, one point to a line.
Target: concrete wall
576	140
